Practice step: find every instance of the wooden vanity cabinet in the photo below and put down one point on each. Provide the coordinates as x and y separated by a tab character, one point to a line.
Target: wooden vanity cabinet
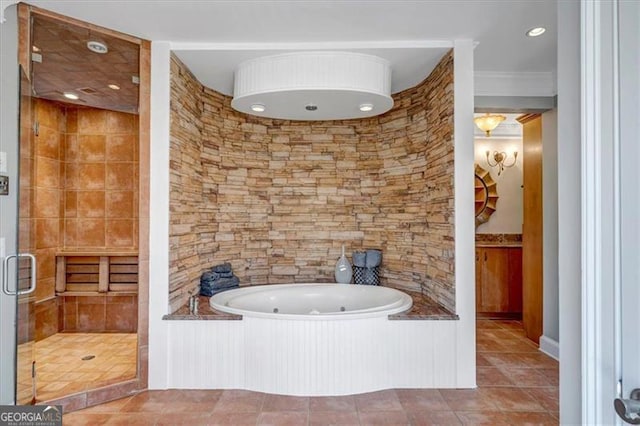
499	281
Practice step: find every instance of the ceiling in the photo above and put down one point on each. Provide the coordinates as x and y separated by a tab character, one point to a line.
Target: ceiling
213	37
67	65
214	67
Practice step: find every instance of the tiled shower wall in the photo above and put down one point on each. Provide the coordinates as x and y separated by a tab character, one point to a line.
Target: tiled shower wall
278	198
85	192
47	210
101	175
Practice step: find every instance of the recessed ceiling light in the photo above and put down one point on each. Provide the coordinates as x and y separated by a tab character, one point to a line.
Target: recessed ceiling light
311	107
97	46
114	87
258	108
71	96
366	107
535	32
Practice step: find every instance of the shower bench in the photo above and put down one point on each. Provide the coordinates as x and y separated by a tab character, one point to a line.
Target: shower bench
97	291
82	272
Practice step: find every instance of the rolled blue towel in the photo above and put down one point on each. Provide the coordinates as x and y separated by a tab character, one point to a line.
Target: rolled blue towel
209	276
224	274
224	267
358	258
226	282
373	258
220	290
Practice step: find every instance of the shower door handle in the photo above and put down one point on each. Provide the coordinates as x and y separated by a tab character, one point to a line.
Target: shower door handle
5	275
629	409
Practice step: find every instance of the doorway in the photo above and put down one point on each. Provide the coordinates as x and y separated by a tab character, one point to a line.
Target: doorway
84	147
511	240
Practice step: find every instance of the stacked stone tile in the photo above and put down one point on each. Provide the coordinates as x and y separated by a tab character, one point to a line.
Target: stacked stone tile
281	197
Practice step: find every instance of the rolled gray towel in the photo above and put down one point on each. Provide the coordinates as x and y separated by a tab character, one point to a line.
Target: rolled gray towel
373	258
358	258
224	267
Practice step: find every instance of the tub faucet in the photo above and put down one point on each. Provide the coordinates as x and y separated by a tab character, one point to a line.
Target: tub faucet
194	301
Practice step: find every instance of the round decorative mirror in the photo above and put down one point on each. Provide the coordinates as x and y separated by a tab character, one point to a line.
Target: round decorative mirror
486	195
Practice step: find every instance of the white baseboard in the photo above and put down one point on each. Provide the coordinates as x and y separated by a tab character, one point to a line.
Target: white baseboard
550	347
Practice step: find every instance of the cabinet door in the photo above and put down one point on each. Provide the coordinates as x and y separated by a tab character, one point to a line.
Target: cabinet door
494	294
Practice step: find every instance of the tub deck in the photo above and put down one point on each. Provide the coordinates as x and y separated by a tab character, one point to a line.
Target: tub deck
423	308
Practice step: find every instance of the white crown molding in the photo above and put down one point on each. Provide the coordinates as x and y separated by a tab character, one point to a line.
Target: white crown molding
491	83
334	45
5	4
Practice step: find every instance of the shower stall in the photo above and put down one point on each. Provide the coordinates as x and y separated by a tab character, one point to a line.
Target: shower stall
76	260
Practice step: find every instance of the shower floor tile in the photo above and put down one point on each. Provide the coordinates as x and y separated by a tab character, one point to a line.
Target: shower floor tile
61	371
516	385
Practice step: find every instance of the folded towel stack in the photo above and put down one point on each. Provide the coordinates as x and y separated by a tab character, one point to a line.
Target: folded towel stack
219	278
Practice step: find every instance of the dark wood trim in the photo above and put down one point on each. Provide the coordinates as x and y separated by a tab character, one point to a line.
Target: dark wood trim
532	227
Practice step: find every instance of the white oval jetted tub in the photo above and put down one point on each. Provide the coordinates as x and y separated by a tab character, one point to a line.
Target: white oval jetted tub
313	340
312	301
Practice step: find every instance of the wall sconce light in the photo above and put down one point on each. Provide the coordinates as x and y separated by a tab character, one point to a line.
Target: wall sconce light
499	159
488	122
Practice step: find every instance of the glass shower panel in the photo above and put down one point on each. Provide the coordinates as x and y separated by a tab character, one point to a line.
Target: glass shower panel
25	359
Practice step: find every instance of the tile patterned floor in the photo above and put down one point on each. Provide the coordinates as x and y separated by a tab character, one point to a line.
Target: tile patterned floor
517	385
61	370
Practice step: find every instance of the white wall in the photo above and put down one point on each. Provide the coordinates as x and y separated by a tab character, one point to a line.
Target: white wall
569	213
550	339
507	219
8	144
159	217
464	214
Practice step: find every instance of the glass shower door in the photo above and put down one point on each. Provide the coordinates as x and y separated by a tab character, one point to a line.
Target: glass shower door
25	265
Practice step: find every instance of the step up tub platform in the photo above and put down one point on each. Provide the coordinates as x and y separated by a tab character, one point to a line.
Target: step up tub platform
313	340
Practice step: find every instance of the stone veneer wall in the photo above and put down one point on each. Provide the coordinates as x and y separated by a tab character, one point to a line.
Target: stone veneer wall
278	198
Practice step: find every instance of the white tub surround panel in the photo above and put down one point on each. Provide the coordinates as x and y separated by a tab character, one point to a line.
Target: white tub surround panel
312	358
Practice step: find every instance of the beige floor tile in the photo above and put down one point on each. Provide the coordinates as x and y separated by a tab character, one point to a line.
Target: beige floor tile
61	370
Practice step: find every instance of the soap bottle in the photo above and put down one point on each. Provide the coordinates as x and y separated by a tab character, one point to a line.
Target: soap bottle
343	271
